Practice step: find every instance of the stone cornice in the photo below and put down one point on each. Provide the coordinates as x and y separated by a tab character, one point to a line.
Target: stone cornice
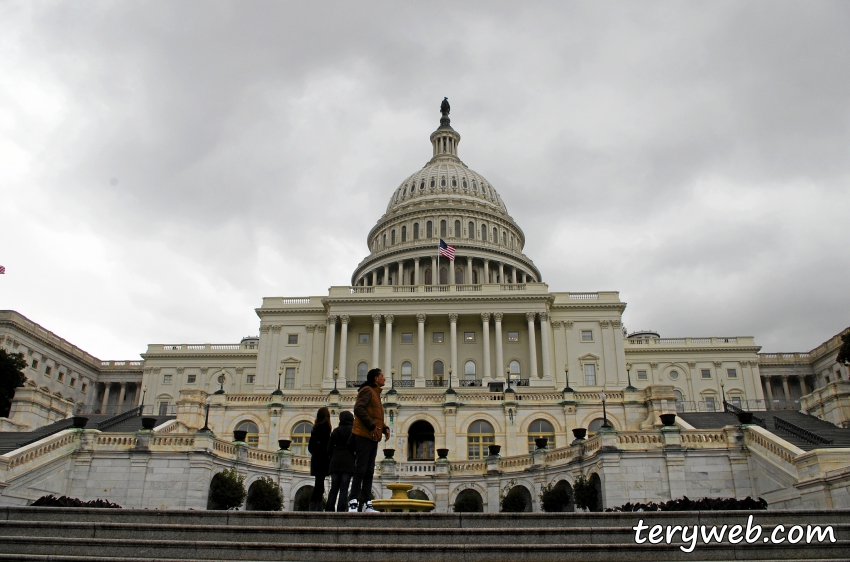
698	348
247	354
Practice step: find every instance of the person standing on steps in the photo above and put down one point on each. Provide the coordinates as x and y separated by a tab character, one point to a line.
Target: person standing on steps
320	436
341	450
368	428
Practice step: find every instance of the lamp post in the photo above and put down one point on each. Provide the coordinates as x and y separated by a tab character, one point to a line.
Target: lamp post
278	392
142	404
207	417
629	375
392	376
604	398
450	376
221	379
567	388
336	375
723	393
508	376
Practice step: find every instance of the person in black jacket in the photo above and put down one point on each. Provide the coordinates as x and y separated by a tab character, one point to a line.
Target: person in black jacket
342	462
318	447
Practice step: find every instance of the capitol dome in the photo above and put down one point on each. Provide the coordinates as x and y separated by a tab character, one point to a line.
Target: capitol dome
445	200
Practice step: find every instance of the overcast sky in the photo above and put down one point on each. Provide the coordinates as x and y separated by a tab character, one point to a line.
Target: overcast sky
165	165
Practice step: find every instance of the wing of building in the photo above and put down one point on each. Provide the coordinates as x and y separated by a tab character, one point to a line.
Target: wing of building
479	353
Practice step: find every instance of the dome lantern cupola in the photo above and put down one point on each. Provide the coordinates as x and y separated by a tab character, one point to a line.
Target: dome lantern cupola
445	139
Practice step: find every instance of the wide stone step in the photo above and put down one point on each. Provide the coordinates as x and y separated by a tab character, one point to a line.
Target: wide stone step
381	551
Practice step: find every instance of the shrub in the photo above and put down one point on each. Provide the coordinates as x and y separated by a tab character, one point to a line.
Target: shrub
585	494
265	495
468	501
514	501
226	490
64	501
705	504
554	497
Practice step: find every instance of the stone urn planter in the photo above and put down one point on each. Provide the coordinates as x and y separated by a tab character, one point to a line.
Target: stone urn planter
494	450
284	444
580	432
389	453
442	453
745	418
668	419
148	423
541	442
239	435
79	422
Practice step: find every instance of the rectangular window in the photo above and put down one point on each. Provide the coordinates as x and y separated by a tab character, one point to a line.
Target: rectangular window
407	337
34	364
363	339
513	337
249	379
469	337
84	388
731	373
590	375
191	378
73	382
706	373
47	370
642	376
289	378
587	335
736	401
709	405
166	379
292	339
60	377
163	408
438	337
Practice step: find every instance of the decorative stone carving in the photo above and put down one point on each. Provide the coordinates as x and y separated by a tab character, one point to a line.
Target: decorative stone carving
568	324
654	365
311	328
692	364
321	328
718	364
616	324
276	328
344	318
557	324
544	316
529	316
180	370
239	370
420	317
485	317
604	323
376	319
332	318
388	318
453	317
265	329
498	316
204	370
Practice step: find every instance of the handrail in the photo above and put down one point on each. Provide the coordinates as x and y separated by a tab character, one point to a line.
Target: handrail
800	432
115	420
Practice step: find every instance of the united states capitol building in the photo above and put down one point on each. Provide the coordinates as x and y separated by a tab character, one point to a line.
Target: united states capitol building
478	351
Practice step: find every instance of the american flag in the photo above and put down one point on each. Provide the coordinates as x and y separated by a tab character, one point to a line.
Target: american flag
2	270
446	250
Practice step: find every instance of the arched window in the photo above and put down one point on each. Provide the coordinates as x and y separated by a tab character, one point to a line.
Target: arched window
457	229
392	237
468	501
478	437
404	234
475	277
444	276
433	182
495	236
443	179
484	232
464	183
362	369
595	425
458	276
422	185
469	370
680	406
253	437
416	231
421	439
302	498
300	437
538	429
429	277
443	228
406	371
504	238
516	373
385	241
471	230
439	372
429	229
454	182
403	193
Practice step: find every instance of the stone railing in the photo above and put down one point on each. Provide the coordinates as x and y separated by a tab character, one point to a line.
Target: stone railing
594	396
35	454
416	468
402	291
189	348
784	358
702	439
717	341
467	467
771	448
115	441
513	464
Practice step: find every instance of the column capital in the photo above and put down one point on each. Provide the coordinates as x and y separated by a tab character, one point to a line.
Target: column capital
718	364
276	328
420	317
311	328
604	323
332	318
485	317
568	324
692	364
344	318
180	370
784	378
616	324
654	365
529	316
497	316
265	329
544	316
321	328
376	319
453	317
389	318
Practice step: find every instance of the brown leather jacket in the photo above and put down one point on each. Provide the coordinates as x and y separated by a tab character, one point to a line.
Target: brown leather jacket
368	411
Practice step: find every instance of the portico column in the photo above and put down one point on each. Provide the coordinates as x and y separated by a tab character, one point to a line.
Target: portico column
387	274
400	273
769	387
416	272
388	347
121	396
532	345
469	270
451	272
485	325
786	390
501	274
803	388
513	275
420	342
453	336
374	277
435	275
500	358
103	404
344	319
376	339
330	336
546	335
486	271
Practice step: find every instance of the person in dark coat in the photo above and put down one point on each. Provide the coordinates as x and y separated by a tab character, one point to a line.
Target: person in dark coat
342	462
320	436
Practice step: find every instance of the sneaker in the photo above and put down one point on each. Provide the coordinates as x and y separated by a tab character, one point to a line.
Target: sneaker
369	508
352	506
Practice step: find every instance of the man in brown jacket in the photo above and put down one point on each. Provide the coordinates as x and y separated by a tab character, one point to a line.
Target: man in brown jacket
368	428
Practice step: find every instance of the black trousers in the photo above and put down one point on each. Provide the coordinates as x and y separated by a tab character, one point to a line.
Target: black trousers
365	451
339	488
318	493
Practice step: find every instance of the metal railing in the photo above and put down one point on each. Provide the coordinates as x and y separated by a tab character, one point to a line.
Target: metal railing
730	407
115	420
436	382
469	382
404	384
800	432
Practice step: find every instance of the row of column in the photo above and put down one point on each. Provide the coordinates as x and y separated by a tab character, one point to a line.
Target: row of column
388	319
486	275
107	386
768	386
